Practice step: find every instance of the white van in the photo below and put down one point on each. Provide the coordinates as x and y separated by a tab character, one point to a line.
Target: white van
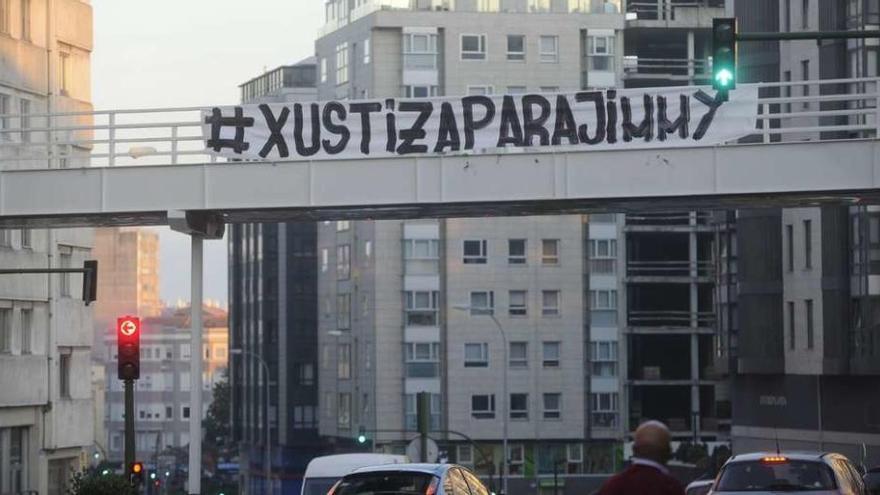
323	472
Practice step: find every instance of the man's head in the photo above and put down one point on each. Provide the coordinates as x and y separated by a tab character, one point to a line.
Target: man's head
651	441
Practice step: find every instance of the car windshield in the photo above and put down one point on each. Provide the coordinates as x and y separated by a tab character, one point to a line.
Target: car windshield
799	476
318	486
384	482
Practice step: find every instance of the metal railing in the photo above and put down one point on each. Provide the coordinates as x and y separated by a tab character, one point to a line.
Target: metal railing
636	268
651	318
665	10
831	109
675	68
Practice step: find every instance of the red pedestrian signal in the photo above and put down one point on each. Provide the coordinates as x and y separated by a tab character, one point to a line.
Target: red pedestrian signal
128	337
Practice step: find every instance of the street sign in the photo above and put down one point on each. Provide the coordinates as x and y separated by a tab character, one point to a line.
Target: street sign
414	451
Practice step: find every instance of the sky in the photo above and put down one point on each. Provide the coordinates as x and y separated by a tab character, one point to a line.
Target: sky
182	53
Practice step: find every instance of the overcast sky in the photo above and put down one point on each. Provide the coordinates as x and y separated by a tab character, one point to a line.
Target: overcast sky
180	53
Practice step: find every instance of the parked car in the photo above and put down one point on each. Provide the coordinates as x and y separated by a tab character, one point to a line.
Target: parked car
872	481
699	487
772	473
411	479
323	472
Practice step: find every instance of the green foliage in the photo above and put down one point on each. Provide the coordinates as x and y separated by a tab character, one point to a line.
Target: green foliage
217	422
95	483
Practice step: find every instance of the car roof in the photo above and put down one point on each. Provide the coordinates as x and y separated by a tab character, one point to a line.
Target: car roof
792	455
337	466
435	469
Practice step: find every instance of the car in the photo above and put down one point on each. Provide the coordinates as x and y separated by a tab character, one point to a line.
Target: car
872	481
323	472
411	479
820	473
699	487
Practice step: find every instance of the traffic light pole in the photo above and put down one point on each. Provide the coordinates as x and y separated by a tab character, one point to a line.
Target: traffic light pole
195	369
129	424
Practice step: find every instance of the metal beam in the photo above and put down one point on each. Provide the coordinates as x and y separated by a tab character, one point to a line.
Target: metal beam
808	35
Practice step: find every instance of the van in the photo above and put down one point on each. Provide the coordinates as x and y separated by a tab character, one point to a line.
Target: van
323	472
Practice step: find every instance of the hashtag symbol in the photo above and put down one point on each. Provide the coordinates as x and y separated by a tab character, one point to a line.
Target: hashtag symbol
218	122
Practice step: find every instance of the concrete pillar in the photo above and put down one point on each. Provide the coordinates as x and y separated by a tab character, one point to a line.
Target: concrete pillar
693	257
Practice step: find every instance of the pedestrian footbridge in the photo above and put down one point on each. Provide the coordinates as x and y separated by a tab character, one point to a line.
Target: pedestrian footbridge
131	167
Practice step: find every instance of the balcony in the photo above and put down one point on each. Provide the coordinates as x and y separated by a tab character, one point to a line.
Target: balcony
671	319
674	13
671	69
660	270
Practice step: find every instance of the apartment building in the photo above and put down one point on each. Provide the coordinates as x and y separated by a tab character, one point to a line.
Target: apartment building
46	404
273	316
801	335
162	394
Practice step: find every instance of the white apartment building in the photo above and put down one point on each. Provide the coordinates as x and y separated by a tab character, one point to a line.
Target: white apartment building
46	403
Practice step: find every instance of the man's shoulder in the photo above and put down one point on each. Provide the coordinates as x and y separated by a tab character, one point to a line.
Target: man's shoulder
643	479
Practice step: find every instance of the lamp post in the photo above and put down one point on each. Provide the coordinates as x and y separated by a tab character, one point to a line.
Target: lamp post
505	398
266	448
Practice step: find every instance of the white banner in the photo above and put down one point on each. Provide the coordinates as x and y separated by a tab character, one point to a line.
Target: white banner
586	120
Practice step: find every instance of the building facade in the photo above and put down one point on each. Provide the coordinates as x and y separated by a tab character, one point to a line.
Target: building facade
273	316
162	394
46	411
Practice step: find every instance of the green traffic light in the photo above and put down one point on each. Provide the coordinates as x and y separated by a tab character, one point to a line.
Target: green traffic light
724	77
362	439
105	472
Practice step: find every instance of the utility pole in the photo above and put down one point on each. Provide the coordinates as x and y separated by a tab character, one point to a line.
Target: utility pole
423	412
129	423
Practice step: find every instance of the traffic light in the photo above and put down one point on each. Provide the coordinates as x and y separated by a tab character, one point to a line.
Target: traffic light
724	54
128	337
136	473
362	435
90	281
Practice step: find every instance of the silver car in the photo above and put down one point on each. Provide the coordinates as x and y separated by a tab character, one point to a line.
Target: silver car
775	473
410	479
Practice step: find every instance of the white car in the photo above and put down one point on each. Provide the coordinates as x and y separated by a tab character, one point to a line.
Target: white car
774	473
699	487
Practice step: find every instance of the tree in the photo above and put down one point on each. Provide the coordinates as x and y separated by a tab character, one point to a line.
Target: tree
95	483
217	422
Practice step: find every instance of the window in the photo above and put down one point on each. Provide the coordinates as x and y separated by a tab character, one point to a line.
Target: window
343	361
483	406
5	330
789	246
5	238
516	251
367	51
552	406
368	248
518	305
516	90
25	111
421	91
482	303
603	248
808	244
64	375
27	323
808	307
465	455
516	47
422	359
306	373
603	299
5	109
519	355
343	311
169	412
551	354
600	53
550	303
519	406
791	326
480	90
343	411
549	89
25	238
421	249
343	225
473	47
805	14
603	407
26	20
575	457
805	76
550	252
786	16
476	355
64	261
342	63
5	15
304	417
419	50
325	260
475	252
343	262
516	459
604	358
64	71
323	70
549	49
421	308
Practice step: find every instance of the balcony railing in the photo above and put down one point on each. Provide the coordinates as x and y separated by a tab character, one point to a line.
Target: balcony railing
665	10
682	319
682	69
669	268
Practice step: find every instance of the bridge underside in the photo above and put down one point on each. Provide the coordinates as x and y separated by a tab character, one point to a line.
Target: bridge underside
721	177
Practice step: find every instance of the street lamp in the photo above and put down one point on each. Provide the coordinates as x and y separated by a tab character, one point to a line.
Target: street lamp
266	450
505	398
